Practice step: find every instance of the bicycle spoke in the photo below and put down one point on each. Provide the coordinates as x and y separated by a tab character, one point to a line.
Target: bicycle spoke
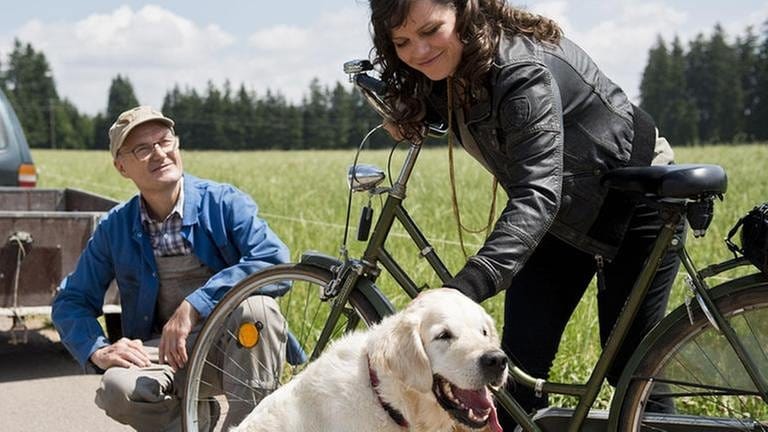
693	372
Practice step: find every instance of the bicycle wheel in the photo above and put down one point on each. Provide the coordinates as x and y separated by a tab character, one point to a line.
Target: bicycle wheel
691	375
220	389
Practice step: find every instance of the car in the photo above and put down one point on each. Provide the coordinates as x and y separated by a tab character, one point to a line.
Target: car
16	165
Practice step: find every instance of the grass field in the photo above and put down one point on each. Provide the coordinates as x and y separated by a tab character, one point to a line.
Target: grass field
303	196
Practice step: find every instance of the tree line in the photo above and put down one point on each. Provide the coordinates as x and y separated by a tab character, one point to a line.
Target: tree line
218	118
709	92
712	92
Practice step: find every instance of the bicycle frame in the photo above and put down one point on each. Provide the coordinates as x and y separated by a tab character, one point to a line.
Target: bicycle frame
351	272
701	289
394	210
587	393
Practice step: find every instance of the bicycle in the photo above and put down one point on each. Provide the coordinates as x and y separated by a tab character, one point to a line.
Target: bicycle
708	357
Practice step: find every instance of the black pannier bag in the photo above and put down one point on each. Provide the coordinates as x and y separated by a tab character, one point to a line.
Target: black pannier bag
754	237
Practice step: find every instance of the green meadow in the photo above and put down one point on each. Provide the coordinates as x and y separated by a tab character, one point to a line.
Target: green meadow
303	195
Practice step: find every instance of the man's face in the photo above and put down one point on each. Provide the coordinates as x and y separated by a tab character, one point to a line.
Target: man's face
159	170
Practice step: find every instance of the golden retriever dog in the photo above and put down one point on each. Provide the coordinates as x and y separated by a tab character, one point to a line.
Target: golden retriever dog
425	368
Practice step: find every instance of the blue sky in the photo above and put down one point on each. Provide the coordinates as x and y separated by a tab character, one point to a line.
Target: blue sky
283	45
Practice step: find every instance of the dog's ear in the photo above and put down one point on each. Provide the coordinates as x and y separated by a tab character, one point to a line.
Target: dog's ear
401	351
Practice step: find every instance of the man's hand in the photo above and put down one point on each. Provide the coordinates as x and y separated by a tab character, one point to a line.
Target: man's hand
123	353
173	341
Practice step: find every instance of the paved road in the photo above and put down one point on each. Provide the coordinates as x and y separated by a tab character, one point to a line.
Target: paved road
42	388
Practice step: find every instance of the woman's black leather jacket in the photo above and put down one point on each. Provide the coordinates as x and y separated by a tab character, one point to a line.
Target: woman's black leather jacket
550	126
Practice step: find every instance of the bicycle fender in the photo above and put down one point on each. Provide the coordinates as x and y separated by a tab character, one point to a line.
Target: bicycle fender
672	319
369	289
320	260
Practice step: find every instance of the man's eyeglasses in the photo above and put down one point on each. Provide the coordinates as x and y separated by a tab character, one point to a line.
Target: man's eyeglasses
167	145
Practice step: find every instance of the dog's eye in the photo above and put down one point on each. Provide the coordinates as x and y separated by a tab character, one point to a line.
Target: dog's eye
485	332
444	335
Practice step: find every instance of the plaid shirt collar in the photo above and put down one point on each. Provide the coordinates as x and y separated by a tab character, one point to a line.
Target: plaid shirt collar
165	235
178	208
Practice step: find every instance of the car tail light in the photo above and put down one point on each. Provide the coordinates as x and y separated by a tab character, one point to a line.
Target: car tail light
27	175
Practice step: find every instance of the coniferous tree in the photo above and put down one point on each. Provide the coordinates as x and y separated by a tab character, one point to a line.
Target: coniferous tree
679	122
32	93
273	109
73	130
185	108
761	94
749	70
340	116
654	86
295	127
211	134
121	97
725	88
233	129
245	111
317	127
697	74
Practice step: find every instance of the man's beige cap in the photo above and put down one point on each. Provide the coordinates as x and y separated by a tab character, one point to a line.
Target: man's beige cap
129	120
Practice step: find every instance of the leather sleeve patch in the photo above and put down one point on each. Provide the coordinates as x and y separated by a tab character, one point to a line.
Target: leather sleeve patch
515	113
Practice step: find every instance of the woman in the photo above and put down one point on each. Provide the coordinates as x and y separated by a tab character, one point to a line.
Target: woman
535	110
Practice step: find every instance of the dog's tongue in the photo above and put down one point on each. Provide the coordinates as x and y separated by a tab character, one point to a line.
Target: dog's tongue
480	400
493	421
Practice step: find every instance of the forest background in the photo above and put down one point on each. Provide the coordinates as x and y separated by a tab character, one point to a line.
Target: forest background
706	91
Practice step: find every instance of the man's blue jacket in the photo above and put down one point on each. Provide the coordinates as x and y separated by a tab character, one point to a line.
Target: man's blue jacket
220	223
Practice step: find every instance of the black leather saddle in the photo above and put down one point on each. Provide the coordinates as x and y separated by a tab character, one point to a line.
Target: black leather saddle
669	181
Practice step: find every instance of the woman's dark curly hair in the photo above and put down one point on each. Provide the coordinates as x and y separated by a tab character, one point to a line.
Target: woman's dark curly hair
479	24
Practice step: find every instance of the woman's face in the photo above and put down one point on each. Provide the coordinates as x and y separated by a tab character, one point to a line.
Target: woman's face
427	40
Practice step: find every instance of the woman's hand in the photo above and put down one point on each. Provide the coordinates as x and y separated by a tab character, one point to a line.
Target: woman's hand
392	129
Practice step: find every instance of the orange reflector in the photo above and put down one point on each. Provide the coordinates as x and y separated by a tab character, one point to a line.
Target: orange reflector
248	335
27	175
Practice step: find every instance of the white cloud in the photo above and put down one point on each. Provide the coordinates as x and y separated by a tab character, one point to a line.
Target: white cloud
557	10
157	49
736	25
149	36
288	57
619	44
280	38
152	46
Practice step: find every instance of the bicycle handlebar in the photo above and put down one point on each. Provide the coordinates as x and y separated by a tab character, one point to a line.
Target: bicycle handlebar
370	83
374	90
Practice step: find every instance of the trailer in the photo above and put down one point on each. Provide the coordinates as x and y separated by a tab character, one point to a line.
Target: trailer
43	232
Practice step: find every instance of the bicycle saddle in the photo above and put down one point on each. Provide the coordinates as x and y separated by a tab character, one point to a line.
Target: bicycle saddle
669	181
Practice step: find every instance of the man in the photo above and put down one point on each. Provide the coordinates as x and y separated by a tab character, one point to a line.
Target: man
174	249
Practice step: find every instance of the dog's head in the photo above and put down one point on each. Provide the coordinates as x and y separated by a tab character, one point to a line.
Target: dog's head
445	343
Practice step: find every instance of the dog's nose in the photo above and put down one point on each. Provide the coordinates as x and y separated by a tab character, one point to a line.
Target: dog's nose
493	363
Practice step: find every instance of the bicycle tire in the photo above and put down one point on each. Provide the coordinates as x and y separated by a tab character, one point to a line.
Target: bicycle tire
307	282
690	375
